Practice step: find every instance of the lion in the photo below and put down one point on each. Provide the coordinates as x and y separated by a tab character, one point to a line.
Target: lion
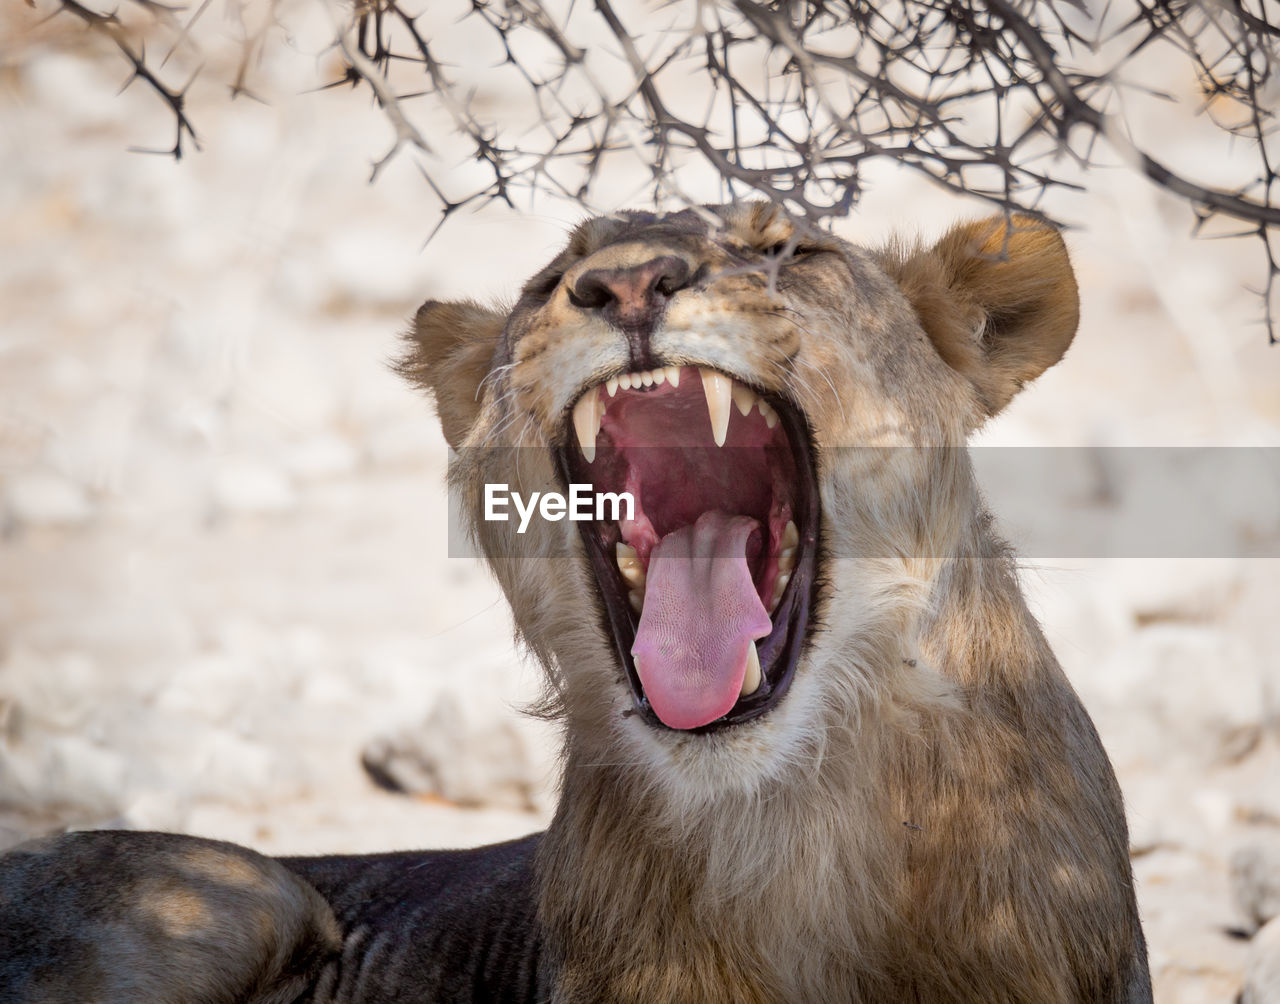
815	747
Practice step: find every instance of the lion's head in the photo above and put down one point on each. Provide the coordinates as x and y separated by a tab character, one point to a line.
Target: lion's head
784	408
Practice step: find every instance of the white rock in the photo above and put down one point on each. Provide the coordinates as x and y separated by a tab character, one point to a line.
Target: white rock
414	442
76	772
1255	879
322	456
365	265
211	687
283	381
247	487
1173	589
50	693
157	810
1188	692
1262	968
42	498
457	756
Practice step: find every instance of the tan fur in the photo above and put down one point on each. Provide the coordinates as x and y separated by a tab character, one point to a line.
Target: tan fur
928	814
997	298
175	909
456	349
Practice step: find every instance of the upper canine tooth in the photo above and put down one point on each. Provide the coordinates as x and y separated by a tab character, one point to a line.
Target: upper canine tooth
751	681
586	422
744	398
673	375
719	391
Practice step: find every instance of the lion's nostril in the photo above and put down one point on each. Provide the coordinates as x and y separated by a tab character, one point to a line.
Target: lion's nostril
590	292
668	285
671	275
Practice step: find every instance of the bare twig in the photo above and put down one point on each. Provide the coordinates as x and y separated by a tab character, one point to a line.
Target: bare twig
1008	100
109	25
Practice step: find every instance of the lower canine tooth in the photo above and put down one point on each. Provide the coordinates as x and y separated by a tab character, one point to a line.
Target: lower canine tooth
790	535
636	599
779	587
586	422
719	391
629	564
751	682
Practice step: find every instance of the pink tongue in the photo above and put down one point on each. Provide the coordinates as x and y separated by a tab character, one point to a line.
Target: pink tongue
701	611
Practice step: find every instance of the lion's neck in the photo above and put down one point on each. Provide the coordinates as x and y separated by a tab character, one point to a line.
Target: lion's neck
797	890
747	900
977	630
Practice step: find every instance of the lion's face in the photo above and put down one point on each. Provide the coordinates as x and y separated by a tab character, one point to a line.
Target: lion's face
781	406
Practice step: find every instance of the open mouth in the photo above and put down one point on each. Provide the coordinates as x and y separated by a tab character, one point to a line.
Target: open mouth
707	585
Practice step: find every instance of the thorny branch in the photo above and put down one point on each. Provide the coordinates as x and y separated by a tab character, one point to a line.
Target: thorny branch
1008	100
110	26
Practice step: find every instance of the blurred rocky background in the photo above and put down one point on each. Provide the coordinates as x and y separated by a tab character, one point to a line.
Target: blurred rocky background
225	602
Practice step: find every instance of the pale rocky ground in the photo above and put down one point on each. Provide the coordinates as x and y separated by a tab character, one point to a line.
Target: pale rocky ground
222	523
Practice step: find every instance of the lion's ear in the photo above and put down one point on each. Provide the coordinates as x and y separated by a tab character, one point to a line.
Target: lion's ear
997	298
451	347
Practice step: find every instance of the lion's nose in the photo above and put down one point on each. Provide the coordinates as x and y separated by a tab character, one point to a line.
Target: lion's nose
632	298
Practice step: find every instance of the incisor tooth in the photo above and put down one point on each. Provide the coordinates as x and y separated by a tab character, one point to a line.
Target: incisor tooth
624	381
719	391
790	535
751	682
673	374
744	398
586	422
646	378
659	376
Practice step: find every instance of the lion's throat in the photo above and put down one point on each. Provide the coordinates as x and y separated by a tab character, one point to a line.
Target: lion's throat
701	612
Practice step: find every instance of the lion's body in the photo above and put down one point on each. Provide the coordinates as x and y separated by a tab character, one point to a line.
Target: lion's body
925	813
